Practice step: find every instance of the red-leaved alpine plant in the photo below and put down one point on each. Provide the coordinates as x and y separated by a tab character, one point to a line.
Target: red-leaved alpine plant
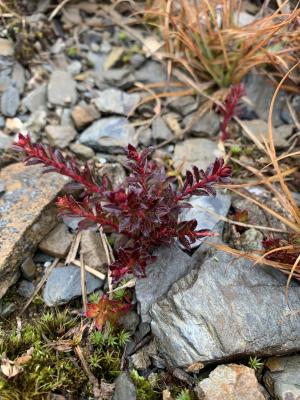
144	211
231	108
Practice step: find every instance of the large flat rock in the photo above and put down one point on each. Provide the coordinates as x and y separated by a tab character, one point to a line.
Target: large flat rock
224	308
26	216
171	264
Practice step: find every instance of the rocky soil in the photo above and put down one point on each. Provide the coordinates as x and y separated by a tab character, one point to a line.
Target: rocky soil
197	318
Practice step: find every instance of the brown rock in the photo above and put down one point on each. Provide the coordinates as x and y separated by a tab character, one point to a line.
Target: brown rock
26	216
232	381
60	136
58	242
84	114
6	47
93	251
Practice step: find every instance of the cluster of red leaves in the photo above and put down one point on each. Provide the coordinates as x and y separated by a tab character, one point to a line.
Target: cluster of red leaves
287	256
106	310
144	211
231	108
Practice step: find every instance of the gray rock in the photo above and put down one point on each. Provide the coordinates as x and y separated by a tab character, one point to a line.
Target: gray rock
109	134
209	123
18	76
282	379
93	251
75	68
184	105
114	101
160	130
5	141
10	101
82	151
232	381
129	321
6	47
36	122
60	136
2	122
27	215
200	211
36	99
84	114
171	264
124	389
63	285
5	81
118	77
151	72
28	268
58	242
61	88
97	61
199	152
224	308
260	90
6	309
259	129
26	289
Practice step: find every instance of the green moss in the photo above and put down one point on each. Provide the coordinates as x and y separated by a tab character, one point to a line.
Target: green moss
144	388
72	52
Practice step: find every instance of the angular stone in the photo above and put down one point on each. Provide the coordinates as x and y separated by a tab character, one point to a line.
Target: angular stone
232	381
124	389
18	77
184	104
282	379
25	289
109	134
209	123
28	268
93	251
160	130
63	285
14	125
5	141
26	216
61	88
6	47
151	72
58	242
260	130
171	264
82	151
60	136
199	152
36	99
84	114
114	101
260	90
201	212
225	307
10	101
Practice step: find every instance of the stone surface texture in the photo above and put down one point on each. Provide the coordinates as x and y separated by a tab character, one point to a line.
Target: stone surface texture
199	152
230	382
26	216
223	308
283	377
171	264
124	389
63	285
109	134
58	242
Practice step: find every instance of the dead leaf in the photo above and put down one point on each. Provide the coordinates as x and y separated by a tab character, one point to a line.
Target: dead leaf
25	358
195	367
9	369
166	395
151	45
172	122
